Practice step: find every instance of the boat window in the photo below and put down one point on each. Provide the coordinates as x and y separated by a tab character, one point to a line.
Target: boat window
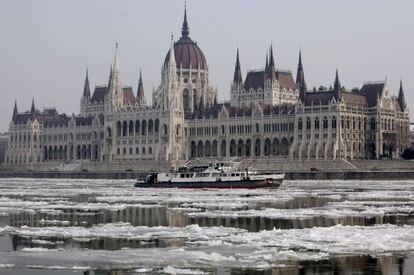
237	174
182	175
232	174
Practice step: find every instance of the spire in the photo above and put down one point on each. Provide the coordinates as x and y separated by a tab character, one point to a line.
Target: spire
271	62
33	110
86	89
185	31
401	97
267	63
271	70
110	76
115	75
237	70
15	111
337	84
116	61
140	90
171	62
300	75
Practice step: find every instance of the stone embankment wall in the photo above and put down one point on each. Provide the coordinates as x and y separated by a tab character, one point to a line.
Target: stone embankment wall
308	175
294	169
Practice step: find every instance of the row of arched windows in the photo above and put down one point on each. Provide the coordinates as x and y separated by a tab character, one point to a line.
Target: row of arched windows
316	123
137	128
240	148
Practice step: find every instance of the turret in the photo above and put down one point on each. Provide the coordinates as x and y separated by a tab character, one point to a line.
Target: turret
185	30
271	70
172	69
110	76
86	88
337	83
140	91
401	97
237	78
300	75
33	110
300	79
337	86
115	87
15	111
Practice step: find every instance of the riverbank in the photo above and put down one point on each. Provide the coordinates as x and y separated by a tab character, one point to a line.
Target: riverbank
290	175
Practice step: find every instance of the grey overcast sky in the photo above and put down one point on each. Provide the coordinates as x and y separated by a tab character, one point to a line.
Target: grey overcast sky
46	45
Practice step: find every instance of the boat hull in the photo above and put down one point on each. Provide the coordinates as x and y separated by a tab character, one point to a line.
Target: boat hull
242	184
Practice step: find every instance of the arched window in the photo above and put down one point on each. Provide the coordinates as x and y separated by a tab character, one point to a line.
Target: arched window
300	124
308	123
317	123
325	122
186	100
334	122
150	127
144	127
124	128
131	128
157	125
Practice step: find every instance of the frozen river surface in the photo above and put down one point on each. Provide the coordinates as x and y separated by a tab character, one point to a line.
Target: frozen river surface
109	227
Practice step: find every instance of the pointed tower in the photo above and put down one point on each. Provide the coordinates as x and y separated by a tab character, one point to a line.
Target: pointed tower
271	70
300	79
237	78
300	75
267	63
401	97
33	110
110	76
337	86
86	88
115	93
140	92
185	30
337	83
15	112
86	96
236	88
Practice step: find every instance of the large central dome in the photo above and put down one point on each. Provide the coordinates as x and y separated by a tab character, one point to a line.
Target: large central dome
186	51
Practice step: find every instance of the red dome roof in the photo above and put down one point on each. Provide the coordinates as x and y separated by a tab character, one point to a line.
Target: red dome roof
186	51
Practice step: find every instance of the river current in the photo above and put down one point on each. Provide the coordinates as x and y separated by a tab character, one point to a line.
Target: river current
62	226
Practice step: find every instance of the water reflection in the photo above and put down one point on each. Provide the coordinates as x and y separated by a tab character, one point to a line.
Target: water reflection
362	265
313	205
136	216
17	243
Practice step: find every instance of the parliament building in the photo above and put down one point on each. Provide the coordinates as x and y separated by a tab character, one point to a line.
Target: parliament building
270	115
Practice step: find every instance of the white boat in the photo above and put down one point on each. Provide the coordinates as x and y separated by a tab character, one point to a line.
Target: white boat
216	176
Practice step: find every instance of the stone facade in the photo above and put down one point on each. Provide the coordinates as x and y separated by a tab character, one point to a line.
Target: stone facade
4	141
269	116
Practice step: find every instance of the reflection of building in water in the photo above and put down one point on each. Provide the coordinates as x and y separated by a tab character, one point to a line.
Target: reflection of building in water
136	216
342	265
269	115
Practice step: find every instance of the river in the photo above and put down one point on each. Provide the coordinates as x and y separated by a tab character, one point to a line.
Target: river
69	226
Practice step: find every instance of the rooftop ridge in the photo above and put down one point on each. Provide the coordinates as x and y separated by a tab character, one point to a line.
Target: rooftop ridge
374	82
